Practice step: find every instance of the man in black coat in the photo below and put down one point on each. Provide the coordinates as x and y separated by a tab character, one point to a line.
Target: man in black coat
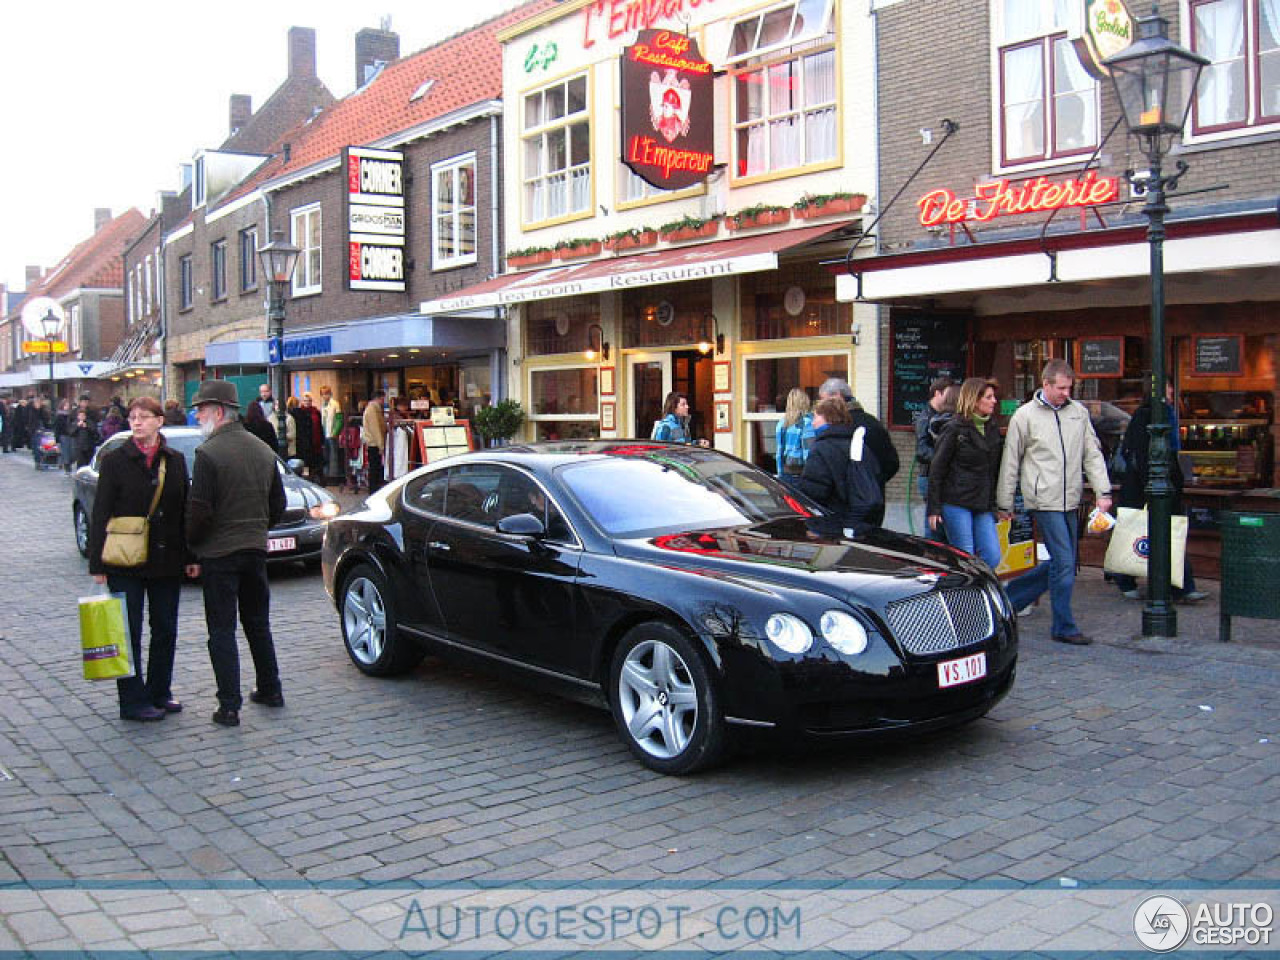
877	436
841	472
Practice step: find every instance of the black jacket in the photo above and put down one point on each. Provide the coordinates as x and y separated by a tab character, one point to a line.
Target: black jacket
880	443
966	465
1133	485
829	478
125	488
236	493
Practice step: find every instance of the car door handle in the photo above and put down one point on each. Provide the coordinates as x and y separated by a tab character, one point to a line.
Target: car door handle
439	545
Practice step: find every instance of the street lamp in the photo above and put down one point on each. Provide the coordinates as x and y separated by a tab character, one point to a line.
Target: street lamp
1155	80
51	325
278	259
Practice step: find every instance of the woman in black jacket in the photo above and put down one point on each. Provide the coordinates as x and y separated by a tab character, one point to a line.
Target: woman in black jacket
257	424
841	472
962	475
127	482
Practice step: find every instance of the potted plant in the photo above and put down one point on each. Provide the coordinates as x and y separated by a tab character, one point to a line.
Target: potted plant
528	256
632	239
761	215
827	204
577	248
500	422
689	228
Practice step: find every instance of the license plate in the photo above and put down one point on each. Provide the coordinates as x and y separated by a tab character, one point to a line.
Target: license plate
952	673
278	544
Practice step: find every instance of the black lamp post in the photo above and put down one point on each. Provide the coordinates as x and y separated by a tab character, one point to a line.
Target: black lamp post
1155	80
51	325
278	259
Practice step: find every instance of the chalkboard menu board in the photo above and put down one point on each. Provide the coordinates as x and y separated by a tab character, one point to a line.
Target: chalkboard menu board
925	346
1220	355
1100	357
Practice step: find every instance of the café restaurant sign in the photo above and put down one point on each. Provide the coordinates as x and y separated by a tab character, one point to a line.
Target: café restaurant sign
1006	198
667	115
375	219
610	19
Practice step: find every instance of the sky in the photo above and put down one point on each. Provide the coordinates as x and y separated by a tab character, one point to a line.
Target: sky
100	103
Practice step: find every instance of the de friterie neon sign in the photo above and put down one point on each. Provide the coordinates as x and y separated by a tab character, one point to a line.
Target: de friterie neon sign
1002	198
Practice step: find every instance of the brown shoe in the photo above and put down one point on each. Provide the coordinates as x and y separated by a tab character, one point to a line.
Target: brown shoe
1076	640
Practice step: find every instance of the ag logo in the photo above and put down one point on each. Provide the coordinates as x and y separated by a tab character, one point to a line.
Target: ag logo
1161	923
1142	547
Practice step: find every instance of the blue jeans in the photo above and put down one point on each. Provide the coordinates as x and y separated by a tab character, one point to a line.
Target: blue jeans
239	581
152	688
1058	532
973	533
922	484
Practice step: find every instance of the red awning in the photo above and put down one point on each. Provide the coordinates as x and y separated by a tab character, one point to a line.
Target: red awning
719	259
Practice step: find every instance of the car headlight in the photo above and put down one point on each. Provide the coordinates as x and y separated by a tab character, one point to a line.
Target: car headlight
788	633
999	600
844	632
325	511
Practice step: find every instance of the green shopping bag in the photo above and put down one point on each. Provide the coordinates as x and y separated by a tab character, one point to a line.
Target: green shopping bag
104	639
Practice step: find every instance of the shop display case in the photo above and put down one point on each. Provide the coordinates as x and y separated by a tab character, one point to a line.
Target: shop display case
1227	438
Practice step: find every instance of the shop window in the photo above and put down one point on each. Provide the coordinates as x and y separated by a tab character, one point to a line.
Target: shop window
248	259
556	136
768	381
306	235
783	70
186	283
798	301
667	315
453	212
563	402
1048	104
218	269
1241	86
559	326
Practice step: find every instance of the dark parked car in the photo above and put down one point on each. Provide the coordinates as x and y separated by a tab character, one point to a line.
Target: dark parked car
683	588
298	536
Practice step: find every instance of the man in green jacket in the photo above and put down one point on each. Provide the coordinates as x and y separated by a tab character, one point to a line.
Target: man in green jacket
1049	447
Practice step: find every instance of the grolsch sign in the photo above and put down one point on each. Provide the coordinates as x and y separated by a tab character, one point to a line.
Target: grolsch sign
375	219
1107	30
667	117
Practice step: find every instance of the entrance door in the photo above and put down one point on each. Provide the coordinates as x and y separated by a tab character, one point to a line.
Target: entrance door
650	376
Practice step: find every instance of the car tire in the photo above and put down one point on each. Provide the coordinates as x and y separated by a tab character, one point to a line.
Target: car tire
664	701
369	627
81	521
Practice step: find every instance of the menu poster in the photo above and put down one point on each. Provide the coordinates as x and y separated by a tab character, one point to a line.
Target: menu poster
442	440
1100	357
1218	355
925	346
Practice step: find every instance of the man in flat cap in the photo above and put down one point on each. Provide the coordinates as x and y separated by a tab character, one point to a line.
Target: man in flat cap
236	497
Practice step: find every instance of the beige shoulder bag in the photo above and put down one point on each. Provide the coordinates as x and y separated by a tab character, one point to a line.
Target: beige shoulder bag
127	537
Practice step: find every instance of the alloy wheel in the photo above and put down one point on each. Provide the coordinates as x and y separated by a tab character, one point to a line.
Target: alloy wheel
658	698
364	620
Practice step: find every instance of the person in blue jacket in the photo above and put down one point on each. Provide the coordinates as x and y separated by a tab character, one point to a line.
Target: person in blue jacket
674	425
794	434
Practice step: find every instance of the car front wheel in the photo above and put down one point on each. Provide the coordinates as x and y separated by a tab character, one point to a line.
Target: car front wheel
369	627
81	520
664	701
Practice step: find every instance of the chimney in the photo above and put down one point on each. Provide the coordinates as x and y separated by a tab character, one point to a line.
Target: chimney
302	52
33	276
101	217
241	111
374	47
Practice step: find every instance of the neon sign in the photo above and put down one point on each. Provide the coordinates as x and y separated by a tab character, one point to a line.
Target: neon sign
667	120
616	17
1002	198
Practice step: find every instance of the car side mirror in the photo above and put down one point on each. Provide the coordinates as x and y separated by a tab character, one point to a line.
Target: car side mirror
295	465
522	525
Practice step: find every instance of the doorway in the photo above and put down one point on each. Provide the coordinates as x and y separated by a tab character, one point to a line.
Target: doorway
654	375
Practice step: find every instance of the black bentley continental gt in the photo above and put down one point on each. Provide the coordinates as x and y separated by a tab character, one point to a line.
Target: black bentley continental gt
682	588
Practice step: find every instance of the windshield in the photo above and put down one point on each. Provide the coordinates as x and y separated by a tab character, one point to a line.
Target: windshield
664	491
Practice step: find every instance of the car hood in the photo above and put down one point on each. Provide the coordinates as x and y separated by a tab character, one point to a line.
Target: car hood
873	566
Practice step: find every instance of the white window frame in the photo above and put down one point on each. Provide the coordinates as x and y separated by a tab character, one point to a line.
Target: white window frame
452	168
1254	122
249	262
73	328
147	275
1051	29
186	282
218	269
573	171
308	274
796	45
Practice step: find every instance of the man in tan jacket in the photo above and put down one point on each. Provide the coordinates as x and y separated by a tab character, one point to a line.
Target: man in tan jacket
375	436
1048	449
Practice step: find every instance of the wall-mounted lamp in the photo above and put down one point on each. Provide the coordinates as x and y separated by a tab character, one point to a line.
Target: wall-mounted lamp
592	351
856	330
715	338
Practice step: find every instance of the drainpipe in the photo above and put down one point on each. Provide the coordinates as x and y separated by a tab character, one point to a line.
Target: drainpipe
498	368
162	283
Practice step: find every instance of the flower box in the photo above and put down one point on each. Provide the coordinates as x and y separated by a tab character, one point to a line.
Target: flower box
681	234
765	218
647	238
831	207
517	261
579	251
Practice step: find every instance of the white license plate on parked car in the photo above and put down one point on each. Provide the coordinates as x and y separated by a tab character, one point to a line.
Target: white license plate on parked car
952	673
278	544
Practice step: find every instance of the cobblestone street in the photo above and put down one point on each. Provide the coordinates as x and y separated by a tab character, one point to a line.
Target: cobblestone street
1112	771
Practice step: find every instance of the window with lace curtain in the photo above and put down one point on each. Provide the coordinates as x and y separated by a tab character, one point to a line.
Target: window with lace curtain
782	64
1241	86
1048	104
556	137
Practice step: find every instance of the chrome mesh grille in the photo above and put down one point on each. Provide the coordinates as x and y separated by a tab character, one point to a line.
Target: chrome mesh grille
941	620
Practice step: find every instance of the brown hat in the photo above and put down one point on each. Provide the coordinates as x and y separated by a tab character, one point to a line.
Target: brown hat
217	391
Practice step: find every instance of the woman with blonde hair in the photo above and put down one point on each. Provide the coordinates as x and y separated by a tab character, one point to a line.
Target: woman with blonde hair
794	434
963	474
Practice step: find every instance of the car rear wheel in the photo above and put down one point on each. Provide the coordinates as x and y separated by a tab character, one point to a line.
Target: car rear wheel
664	701
81	520
369	626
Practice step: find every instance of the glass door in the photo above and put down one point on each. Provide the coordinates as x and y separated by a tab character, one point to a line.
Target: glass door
650	378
